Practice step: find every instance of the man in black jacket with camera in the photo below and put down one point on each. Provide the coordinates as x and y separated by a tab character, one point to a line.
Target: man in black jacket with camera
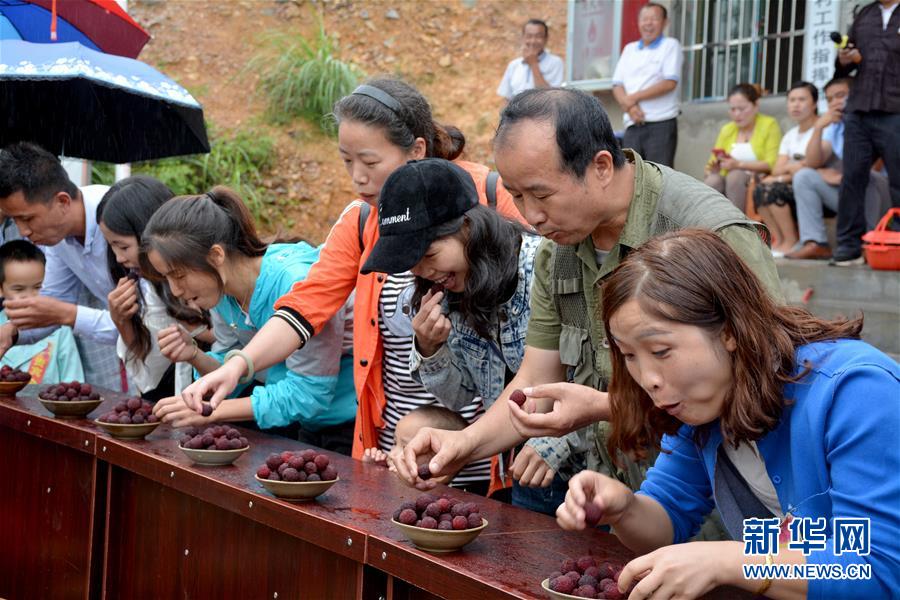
872	118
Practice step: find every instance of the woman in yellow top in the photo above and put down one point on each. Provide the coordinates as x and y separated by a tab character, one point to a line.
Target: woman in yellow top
747	146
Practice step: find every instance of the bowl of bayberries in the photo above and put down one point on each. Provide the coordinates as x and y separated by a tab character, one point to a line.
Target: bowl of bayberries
130	419
299	475
70	400
584	577
217	445
439	524
12	380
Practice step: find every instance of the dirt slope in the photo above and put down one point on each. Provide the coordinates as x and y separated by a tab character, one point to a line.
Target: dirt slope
454	51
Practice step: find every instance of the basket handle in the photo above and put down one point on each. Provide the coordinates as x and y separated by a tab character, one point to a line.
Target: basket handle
886	219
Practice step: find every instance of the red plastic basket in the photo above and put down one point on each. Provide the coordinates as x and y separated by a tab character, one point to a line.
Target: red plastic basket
882	246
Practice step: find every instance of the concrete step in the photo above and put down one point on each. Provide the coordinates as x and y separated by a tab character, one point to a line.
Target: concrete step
846	291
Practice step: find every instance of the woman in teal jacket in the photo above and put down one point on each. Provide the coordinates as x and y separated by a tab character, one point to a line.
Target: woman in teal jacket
209	253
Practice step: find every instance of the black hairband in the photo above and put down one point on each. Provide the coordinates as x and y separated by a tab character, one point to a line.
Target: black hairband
210	196
379	96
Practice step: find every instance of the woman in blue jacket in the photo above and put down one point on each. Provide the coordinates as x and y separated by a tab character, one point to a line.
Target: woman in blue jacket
765	412
208	251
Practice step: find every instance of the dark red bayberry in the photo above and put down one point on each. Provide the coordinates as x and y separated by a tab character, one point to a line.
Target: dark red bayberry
518	396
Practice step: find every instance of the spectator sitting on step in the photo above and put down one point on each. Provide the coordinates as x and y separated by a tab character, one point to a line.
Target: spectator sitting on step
816	186
745	147
773	198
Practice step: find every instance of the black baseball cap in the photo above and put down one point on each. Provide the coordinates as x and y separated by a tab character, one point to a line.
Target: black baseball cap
419	202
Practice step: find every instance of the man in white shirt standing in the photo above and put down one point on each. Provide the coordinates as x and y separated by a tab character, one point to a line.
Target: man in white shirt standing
645	84
53	212
536	68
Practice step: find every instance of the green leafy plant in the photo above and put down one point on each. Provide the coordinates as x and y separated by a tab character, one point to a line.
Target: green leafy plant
238	160
304	78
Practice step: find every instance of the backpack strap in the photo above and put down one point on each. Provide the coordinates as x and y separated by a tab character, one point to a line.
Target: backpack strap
364	211
490	188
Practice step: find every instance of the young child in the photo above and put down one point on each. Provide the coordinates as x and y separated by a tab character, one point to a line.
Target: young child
54	358
434	416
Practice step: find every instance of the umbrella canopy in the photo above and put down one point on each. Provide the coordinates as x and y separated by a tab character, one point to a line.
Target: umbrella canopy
80	103
97	24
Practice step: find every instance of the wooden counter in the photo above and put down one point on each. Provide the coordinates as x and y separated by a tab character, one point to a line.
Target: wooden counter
84	515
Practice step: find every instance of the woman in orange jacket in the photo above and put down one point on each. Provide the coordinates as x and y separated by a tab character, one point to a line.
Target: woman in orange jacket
382	125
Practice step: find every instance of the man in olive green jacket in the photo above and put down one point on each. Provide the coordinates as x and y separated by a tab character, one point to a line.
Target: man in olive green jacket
593	203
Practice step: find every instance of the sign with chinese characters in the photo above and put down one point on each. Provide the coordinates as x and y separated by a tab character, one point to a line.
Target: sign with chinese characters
822	17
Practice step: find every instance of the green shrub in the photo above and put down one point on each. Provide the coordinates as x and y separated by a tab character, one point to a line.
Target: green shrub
238	161
304	79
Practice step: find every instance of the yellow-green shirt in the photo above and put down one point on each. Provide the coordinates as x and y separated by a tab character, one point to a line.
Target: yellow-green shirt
765	140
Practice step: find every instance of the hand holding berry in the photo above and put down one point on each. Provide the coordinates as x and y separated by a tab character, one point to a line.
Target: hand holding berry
431	325
123	300
612	497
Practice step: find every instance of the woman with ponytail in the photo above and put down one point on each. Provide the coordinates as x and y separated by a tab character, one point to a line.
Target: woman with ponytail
382	125
207	250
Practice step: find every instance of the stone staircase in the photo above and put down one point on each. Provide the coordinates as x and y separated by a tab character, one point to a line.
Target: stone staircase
831	291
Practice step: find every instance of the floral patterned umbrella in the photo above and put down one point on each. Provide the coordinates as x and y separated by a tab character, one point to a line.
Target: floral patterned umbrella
81	103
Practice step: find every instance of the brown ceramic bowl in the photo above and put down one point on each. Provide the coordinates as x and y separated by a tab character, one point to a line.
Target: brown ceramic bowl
556	595
296	490
438	541
129	431
213	458
9	389
70	409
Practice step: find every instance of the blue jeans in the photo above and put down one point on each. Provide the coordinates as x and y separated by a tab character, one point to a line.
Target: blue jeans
543	500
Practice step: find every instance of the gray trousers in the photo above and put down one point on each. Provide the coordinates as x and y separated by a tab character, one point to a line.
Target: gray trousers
813	196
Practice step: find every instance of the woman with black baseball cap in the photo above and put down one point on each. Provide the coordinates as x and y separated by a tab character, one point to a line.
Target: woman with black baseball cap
473	271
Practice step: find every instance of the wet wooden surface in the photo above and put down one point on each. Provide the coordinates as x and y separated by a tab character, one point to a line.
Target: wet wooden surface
160	505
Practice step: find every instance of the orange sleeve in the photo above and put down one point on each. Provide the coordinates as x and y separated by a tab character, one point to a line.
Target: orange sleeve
330	281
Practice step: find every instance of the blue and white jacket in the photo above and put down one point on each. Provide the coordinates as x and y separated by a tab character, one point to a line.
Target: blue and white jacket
467	365
314	386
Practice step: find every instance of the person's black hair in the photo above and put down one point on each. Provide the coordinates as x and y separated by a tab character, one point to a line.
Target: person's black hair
126	209
28	168
811	88
848	81
582	126
414	120
540	22
665	12
185	228
747	90
492	244
19	251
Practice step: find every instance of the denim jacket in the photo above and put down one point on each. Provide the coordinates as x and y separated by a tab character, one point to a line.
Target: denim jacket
468	365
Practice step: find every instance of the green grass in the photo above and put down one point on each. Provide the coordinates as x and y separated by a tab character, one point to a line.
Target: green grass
303	79
238	160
